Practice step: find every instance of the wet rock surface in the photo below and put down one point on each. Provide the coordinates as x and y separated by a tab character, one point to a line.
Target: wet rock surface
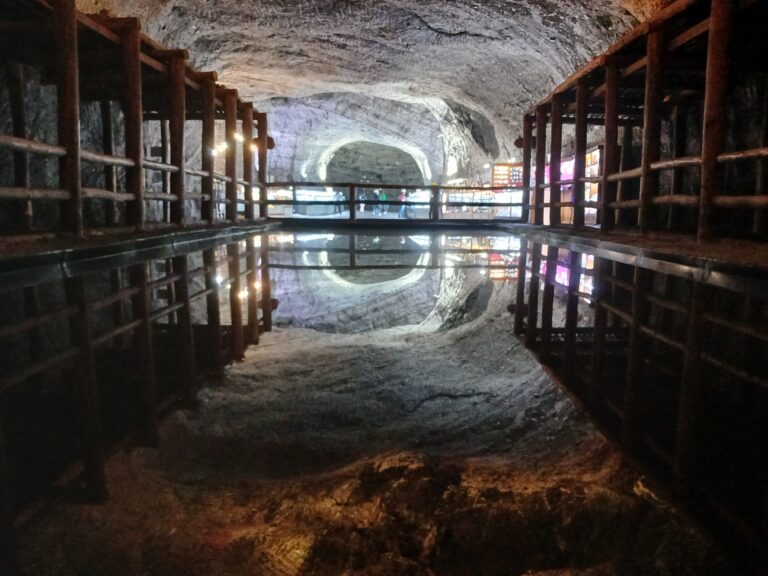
438	448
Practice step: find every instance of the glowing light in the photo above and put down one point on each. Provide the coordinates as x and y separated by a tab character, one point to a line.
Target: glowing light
239	137
219	279
486	166
254	148
452	166
243	294
214	152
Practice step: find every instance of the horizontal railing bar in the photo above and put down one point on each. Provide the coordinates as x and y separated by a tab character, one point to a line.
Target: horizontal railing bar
160	196
198	173
617	312
42	366
733	371
744	327
682	162
99	194
655	334
34	194
165	311
31	323
116	331
759	201
677	199
31	146
106	159
164	281
160	166
743	155
625	175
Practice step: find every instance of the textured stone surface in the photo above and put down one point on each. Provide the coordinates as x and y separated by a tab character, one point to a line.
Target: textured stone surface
472	66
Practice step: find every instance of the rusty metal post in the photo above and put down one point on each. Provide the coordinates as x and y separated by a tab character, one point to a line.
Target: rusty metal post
610	152
760	218
208	96
541	163
634	362
547	304
235	302
145	355
580	160
649	179
434	206
177	105
68	96
601	291
88	392
133	113
689	436
253	295
713	137
679	129
266	286
108	145
17	91
230	124
213	309
533	297
352	202
527	148
263	147
624	161
248	148
555	155
520	291
186	337
571	318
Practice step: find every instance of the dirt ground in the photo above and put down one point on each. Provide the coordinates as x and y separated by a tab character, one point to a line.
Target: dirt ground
439	449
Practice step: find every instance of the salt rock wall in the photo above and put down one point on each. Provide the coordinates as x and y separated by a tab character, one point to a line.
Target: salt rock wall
473	66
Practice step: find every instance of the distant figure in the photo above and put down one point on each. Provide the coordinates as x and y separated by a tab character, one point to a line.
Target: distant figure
376	206
338	197
363	196
384	208
403	198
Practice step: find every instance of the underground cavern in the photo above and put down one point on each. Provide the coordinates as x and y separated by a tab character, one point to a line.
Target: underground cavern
313	287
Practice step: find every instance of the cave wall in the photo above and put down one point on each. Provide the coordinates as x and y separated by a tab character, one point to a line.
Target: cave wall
473	66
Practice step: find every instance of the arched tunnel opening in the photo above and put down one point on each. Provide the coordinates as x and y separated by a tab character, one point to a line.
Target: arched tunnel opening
321	288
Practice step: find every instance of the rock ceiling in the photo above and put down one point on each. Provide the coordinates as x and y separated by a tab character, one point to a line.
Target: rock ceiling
403	73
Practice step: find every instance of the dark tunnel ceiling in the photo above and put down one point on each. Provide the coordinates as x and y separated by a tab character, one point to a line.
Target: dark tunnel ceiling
475	66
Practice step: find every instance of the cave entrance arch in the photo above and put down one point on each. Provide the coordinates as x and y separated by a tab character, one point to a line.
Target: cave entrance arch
369	162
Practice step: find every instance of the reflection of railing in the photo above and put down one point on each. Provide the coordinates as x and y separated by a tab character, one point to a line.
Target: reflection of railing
437	206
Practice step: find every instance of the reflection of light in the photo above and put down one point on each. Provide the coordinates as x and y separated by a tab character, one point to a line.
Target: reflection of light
219	279
306	253
254	148
243	294
257	285
239	137
284	238
324	255
310	237
420	240
452	166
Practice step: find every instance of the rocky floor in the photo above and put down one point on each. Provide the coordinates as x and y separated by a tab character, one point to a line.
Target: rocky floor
431	449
